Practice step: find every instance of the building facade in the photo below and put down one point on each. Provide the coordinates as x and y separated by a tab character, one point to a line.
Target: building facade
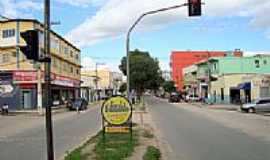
190	80
182	59
233	78
22	80
104	82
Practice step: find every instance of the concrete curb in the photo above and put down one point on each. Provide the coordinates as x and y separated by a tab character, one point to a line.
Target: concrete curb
81	144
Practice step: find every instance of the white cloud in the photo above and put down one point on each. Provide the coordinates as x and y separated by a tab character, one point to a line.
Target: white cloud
83	3
22	9
115	16
89	63
252	53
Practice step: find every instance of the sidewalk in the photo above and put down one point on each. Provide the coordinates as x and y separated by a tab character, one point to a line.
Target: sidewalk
229	107
55	110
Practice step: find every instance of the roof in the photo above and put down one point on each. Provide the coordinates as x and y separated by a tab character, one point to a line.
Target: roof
36	21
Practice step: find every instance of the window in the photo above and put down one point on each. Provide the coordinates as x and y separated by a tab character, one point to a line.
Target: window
71	53
66	50
71	69
78	71
14	54
4	58
257	63
8	33
265	62
77	56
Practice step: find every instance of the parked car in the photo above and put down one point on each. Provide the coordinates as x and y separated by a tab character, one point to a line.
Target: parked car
259	105
80	103
193	98
174	97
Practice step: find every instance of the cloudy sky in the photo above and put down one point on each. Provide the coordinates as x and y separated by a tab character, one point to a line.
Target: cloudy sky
98	27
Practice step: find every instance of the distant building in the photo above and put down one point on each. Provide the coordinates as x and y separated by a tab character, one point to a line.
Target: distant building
190	80
182	59
108	82
22	80
233	78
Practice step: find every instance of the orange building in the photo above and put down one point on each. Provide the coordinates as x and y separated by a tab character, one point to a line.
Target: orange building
182	59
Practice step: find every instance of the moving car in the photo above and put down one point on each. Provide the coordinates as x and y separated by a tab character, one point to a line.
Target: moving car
174	97
192	98
259	105
80	103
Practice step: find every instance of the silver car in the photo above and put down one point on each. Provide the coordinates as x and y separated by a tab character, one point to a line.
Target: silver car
259	105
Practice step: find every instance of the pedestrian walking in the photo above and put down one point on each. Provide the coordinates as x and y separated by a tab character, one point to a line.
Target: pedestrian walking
5	109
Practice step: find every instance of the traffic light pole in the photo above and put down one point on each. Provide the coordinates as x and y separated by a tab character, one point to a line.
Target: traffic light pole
128	38
47	90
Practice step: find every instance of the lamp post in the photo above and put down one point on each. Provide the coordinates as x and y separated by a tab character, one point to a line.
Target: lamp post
129	33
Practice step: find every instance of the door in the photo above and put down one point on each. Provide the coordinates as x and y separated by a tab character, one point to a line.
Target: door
26	98
262	105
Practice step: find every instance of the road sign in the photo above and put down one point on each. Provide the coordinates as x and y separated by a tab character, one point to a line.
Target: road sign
117	129
116	110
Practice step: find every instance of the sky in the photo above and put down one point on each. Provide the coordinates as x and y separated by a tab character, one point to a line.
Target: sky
99	27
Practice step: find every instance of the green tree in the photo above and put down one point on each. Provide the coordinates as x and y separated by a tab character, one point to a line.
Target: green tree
144	71
169	86
123	88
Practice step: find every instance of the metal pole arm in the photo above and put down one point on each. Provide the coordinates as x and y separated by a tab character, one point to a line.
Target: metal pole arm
154	12
130	30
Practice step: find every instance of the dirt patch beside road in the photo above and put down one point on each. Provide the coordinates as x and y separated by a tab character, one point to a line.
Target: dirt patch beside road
250	124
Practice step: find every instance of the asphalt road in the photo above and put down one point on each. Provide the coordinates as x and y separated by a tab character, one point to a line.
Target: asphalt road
193	137
70	129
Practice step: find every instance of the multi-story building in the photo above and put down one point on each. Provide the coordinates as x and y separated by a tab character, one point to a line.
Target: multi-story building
190	80
25	78
182	59
108	82
235	78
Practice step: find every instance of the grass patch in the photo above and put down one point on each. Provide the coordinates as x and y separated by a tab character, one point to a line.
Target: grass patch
116	146
147	134
152	153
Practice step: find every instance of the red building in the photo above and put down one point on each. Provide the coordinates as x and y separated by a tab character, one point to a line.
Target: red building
182	59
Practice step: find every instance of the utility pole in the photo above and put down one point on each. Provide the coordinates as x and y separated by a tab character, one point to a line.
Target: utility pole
209	76
96	81
47	90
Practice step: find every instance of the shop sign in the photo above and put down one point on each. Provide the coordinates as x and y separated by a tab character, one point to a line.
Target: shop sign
6	86
117	129
24	76
116	110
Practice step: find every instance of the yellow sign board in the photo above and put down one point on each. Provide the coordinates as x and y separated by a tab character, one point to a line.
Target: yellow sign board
117	129
116	110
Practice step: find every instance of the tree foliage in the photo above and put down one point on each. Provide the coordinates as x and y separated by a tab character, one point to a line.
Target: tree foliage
169	86
144	71
123	88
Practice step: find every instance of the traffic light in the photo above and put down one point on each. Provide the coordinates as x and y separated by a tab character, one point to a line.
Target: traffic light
31	50
194	8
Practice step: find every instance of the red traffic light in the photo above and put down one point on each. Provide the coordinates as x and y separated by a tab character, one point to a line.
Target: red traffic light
194	8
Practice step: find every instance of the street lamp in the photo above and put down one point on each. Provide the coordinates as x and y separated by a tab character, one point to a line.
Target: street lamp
192	12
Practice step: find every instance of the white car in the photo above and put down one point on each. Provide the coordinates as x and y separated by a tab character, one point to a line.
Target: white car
192	98
259	105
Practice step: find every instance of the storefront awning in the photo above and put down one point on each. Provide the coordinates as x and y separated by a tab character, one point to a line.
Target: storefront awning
244	86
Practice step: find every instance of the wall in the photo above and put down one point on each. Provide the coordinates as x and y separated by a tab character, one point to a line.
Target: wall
182	59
